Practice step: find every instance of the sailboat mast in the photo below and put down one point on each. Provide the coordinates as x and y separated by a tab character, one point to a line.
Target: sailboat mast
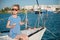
37	2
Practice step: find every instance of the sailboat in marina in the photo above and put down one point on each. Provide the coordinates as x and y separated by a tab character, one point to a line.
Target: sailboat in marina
33	34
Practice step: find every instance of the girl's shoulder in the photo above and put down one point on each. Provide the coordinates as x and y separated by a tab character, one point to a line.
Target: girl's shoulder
19	17
10	16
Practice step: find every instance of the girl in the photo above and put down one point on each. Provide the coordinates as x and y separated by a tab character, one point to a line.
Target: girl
14	23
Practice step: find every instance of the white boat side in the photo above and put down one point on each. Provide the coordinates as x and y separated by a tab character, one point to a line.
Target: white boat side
38	35
32	34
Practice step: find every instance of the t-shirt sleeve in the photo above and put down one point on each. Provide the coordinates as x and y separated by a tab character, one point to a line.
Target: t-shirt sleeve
9	18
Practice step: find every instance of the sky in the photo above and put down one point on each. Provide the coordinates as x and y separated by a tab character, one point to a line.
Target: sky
9	3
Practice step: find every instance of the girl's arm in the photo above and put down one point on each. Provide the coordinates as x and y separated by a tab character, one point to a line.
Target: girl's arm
22	23
9	26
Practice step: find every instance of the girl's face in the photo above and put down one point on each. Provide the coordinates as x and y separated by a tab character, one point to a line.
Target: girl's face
15	10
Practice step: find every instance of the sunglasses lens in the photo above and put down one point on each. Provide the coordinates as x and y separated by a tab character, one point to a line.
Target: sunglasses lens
14	9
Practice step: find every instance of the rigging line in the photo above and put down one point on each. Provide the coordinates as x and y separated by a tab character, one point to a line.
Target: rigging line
35	23
26	20
38	20
39	13
51	32
23	18
39	16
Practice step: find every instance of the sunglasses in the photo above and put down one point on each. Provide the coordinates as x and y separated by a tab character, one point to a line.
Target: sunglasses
14	9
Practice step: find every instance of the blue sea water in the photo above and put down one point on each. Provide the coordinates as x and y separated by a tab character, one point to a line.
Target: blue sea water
52	23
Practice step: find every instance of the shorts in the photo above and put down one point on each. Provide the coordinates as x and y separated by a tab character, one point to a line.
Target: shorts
13	35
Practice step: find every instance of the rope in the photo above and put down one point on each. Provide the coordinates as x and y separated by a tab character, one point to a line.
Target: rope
51	32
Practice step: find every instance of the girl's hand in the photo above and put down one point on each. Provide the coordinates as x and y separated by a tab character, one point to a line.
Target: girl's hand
13	25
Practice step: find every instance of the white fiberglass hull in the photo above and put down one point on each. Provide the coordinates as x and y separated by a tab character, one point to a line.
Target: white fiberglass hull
32	34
